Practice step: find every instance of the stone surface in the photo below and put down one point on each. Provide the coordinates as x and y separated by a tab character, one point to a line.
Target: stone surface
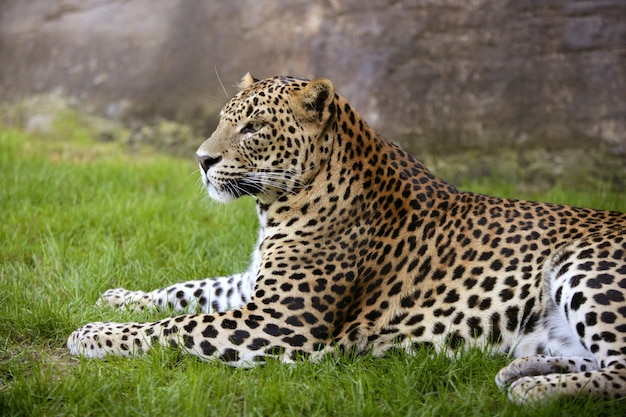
435	75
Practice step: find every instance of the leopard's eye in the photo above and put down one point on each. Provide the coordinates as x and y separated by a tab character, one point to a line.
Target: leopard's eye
252	127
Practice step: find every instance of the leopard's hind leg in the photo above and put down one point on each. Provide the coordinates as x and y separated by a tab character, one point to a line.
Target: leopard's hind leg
586	289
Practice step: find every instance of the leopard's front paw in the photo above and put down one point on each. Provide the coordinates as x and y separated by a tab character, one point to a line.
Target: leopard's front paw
124	299
86	341
100	339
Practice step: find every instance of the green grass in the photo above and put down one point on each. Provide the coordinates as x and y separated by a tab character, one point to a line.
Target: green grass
79	217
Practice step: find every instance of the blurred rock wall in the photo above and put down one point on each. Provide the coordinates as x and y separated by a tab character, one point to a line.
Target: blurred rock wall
432	74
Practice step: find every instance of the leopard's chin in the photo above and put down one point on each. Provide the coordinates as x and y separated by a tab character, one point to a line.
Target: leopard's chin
220	196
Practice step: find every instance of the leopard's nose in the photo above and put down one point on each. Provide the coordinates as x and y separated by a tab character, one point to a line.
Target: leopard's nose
207	162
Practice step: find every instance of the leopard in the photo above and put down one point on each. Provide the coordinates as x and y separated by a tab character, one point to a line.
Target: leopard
362	249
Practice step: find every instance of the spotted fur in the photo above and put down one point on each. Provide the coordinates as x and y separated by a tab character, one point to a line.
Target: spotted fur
361	248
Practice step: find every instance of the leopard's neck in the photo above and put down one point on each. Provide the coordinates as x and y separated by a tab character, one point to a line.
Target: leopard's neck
364	173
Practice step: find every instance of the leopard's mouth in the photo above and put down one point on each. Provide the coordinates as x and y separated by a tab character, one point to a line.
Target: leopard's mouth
230	189
242	187
214	191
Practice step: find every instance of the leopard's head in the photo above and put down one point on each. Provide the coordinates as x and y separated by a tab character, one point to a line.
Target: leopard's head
272	139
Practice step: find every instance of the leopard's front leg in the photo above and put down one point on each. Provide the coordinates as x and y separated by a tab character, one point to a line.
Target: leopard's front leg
205	295
238	337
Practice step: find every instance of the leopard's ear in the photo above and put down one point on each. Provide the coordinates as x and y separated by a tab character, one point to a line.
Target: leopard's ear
317	99
246	81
